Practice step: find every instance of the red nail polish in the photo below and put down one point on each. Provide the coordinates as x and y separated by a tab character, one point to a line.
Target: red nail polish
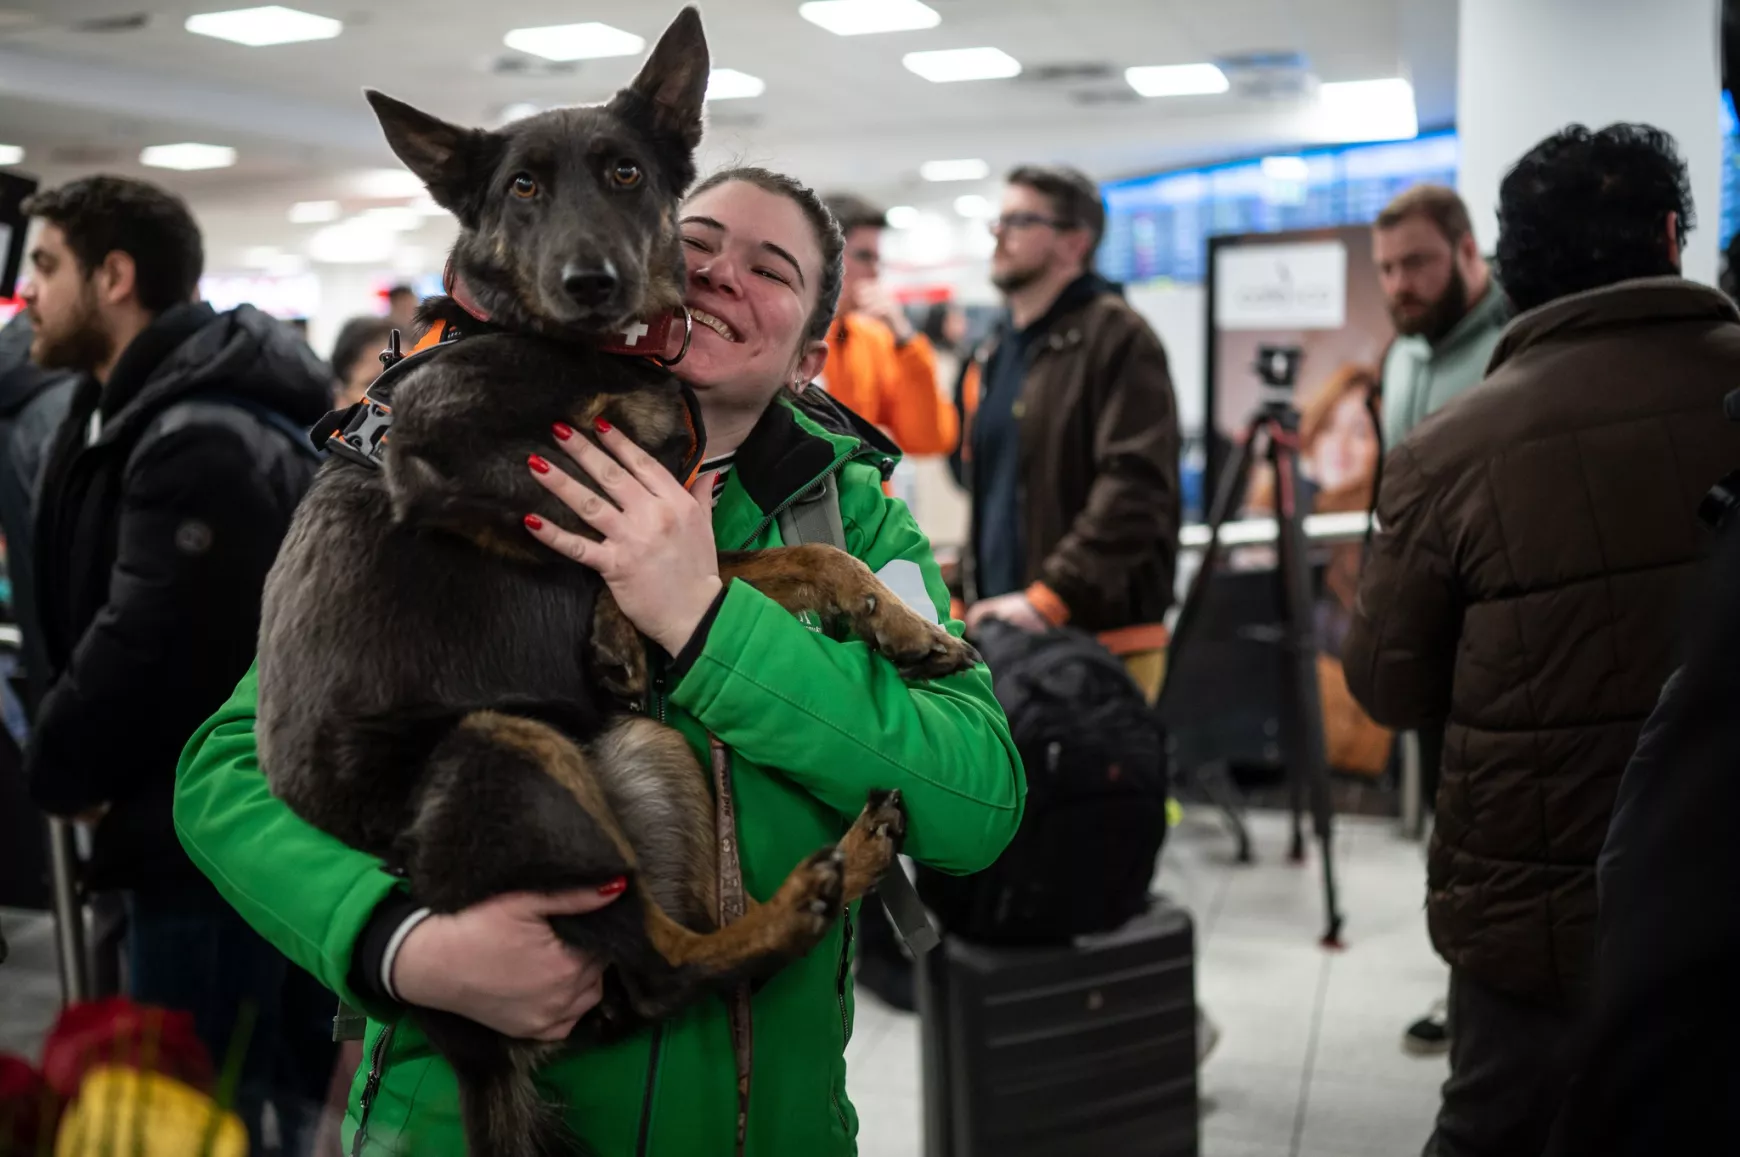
533	522
602	426
613	887
538	464
563	431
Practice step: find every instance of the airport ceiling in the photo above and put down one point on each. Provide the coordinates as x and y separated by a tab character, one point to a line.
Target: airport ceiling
86	84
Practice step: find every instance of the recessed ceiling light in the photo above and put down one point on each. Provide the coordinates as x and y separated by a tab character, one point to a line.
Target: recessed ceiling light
1177	79
260	256
427	207
574	41
188	156
11	154
1286	169
1369	110
974	206
953	64
258	27
388	183
729	84
352	242
964	170
902	217
313	212
857	17
519	111
398	218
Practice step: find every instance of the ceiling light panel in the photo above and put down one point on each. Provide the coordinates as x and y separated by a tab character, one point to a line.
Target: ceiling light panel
313	212
591	41
962	170
11	154
956	64
975	207
259	27
188	156
902	217
1177	80
1368	110
861	17
729	84
389	183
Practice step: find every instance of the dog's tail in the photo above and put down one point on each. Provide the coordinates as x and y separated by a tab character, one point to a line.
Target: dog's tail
499	1103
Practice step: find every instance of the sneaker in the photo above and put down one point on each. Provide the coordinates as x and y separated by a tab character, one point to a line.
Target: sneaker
1430	1035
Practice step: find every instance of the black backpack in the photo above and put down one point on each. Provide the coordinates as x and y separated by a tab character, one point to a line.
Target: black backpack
1097	783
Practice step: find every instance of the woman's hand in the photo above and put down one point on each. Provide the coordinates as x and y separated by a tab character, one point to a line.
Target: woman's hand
499	963
657	553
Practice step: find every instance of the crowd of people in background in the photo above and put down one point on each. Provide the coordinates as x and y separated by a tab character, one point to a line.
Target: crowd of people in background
1549	422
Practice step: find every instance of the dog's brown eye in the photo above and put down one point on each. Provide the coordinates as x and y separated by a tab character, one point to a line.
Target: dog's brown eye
626	174
524	187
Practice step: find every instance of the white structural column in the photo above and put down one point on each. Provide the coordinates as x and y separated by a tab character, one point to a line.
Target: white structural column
1526	68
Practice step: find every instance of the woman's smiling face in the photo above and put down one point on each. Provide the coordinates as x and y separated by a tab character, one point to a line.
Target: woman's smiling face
754	266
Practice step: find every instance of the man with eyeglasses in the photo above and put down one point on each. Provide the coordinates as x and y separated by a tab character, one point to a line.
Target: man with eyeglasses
879	366
1071	443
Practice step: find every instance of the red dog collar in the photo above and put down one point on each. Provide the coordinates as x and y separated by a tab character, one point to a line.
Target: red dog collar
646	338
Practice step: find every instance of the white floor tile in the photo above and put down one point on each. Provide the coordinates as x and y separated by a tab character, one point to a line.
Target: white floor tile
1250	1102
1364	1118
889	1124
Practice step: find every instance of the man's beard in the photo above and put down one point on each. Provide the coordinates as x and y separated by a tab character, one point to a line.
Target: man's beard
81	345
1440	316
1015	280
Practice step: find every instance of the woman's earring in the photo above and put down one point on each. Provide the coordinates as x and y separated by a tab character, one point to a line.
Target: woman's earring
797	388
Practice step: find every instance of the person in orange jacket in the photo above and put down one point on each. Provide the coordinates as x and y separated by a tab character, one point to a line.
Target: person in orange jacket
880	366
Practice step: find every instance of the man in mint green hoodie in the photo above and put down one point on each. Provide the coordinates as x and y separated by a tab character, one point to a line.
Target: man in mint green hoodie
1447	307
1448	310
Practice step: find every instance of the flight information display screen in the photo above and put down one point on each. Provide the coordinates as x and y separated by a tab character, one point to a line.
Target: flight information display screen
1157	227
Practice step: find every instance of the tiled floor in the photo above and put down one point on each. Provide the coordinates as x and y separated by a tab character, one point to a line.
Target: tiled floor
1309	1062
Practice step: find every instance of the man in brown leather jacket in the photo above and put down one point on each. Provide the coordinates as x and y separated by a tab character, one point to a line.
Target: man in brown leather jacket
1539	540
1071	444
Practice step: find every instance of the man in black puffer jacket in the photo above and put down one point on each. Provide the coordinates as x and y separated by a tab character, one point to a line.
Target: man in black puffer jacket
167	491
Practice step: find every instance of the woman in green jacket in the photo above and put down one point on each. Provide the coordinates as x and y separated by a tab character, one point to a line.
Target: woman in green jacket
813	724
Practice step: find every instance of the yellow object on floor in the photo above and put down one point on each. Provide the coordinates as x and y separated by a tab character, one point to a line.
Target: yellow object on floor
122	1112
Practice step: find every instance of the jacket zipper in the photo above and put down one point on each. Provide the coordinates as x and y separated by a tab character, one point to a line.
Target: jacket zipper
840	995
834	467
646	1105
371	1086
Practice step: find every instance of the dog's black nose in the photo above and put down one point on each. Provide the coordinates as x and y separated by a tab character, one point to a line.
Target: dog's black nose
589	284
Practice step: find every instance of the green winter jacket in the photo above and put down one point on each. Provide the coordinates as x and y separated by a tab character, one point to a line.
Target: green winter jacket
813	725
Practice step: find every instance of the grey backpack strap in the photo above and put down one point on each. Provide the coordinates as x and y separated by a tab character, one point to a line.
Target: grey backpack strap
815	518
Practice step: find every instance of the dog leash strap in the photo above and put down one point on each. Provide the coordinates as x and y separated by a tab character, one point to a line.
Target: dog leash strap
733	905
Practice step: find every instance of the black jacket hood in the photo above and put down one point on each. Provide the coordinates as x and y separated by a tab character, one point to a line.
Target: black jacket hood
192	349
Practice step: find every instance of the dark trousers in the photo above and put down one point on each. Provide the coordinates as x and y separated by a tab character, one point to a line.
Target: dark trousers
1511	1063
189	950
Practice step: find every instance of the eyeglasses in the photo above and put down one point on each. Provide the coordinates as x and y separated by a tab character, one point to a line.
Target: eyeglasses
1010	221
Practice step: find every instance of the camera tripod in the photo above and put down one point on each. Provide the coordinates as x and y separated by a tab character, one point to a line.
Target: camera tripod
1275	425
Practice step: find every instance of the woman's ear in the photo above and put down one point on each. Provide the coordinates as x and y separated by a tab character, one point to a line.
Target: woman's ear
809	366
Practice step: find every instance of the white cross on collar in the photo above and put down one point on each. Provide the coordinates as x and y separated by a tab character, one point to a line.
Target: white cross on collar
634	333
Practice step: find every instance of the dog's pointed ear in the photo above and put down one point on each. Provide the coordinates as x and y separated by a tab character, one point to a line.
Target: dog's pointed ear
674	77
446	156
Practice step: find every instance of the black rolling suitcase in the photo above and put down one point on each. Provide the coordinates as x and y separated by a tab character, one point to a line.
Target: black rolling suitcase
1085	1049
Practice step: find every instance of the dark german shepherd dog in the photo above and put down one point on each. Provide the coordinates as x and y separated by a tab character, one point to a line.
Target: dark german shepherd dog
440	690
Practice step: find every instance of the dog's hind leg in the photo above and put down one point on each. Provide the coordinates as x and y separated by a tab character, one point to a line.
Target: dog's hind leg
829	582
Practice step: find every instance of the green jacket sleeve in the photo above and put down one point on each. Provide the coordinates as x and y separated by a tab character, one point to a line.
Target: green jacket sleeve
306	892
840	722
